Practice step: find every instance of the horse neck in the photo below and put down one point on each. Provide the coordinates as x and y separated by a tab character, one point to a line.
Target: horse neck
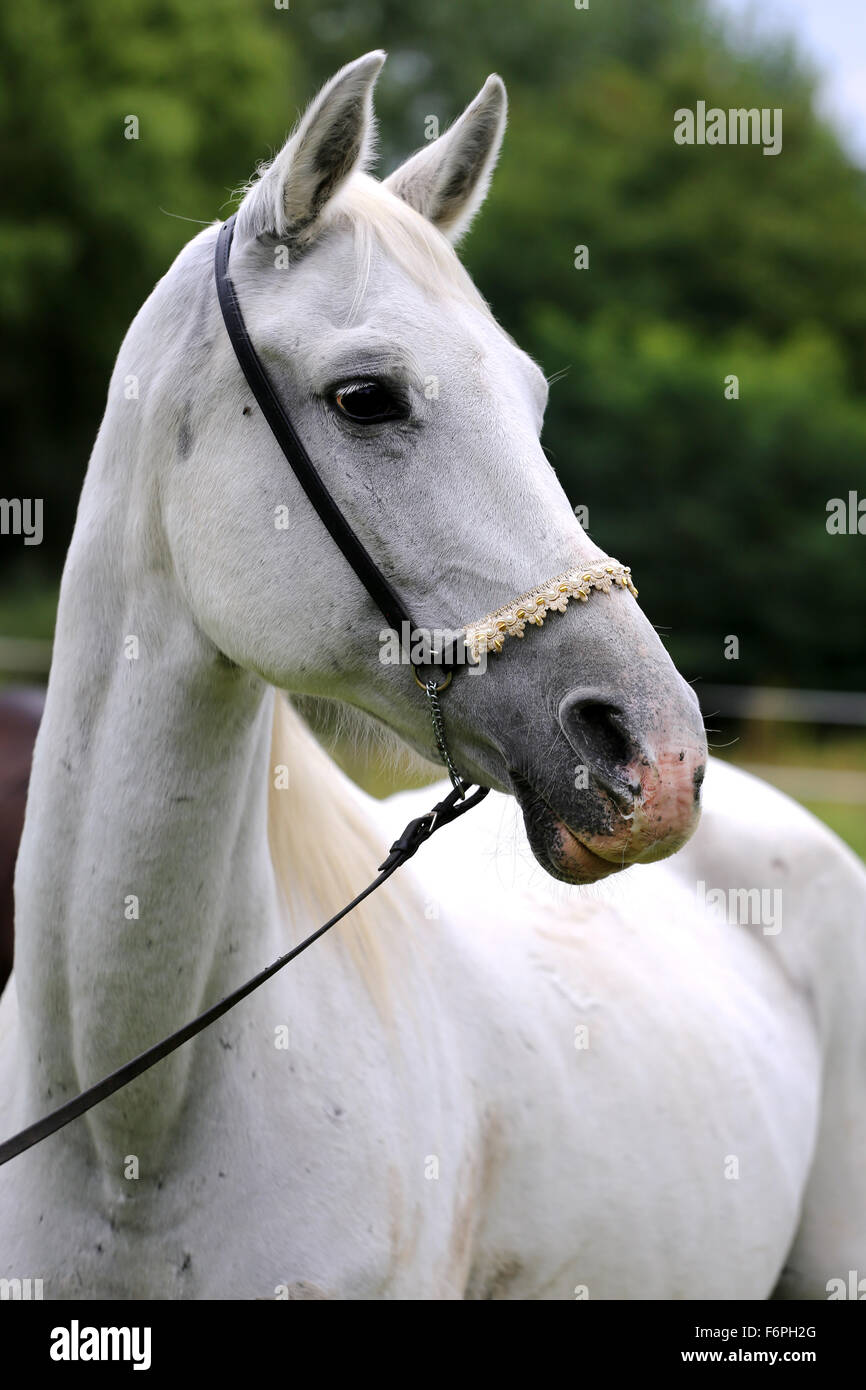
166	790
144	884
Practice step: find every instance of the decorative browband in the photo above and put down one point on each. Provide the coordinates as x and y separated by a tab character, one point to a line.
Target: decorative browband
489	634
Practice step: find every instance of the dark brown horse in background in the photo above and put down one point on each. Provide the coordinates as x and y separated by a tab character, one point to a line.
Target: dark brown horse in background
20	713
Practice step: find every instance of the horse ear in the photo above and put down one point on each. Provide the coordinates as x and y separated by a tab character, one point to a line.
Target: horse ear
334	137
448	180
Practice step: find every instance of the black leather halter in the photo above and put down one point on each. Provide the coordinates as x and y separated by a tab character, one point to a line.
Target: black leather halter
380	590
383	594
417	831
374	581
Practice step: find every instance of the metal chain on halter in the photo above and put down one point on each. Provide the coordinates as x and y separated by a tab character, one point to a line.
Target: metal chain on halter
431	690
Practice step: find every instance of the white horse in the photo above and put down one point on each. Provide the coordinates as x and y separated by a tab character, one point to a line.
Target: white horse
485	1084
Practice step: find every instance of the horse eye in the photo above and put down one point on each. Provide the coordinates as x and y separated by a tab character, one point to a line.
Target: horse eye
367	402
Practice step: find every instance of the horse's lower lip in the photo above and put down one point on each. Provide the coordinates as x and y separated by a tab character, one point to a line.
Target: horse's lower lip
582	864
560	850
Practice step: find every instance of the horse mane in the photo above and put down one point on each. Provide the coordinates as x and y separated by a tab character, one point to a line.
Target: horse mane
325	848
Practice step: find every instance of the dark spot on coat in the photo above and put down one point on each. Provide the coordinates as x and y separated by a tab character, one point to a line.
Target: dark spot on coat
698	780
184	432
496	1281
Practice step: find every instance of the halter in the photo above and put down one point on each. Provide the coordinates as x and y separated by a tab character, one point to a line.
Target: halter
381	591
487	634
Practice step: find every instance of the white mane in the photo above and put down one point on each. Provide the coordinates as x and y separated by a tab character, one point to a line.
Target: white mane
325	849
376	215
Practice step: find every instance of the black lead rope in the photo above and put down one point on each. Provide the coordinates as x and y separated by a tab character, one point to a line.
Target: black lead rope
416	832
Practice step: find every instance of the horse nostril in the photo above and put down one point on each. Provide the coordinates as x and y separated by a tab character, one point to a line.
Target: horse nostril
597	732
600	722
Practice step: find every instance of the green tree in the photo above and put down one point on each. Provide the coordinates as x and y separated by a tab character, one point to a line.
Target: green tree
92	218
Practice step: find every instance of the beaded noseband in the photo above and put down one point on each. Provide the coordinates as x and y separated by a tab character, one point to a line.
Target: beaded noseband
489	634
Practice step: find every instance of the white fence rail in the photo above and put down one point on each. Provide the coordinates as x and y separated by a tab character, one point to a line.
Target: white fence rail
775	703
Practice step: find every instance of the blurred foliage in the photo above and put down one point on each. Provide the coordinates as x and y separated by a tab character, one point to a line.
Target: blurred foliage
85	229
704	261
28	610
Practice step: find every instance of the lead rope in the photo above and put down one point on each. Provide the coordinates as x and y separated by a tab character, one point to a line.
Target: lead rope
455	804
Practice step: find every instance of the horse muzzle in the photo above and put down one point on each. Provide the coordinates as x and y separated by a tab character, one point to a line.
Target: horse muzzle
634	793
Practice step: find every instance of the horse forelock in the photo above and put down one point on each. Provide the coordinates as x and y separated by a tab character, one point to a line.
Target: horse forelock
376	216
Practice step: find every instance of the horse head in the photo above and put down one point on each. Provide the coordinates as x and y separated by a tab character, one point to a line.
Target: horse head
423	418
